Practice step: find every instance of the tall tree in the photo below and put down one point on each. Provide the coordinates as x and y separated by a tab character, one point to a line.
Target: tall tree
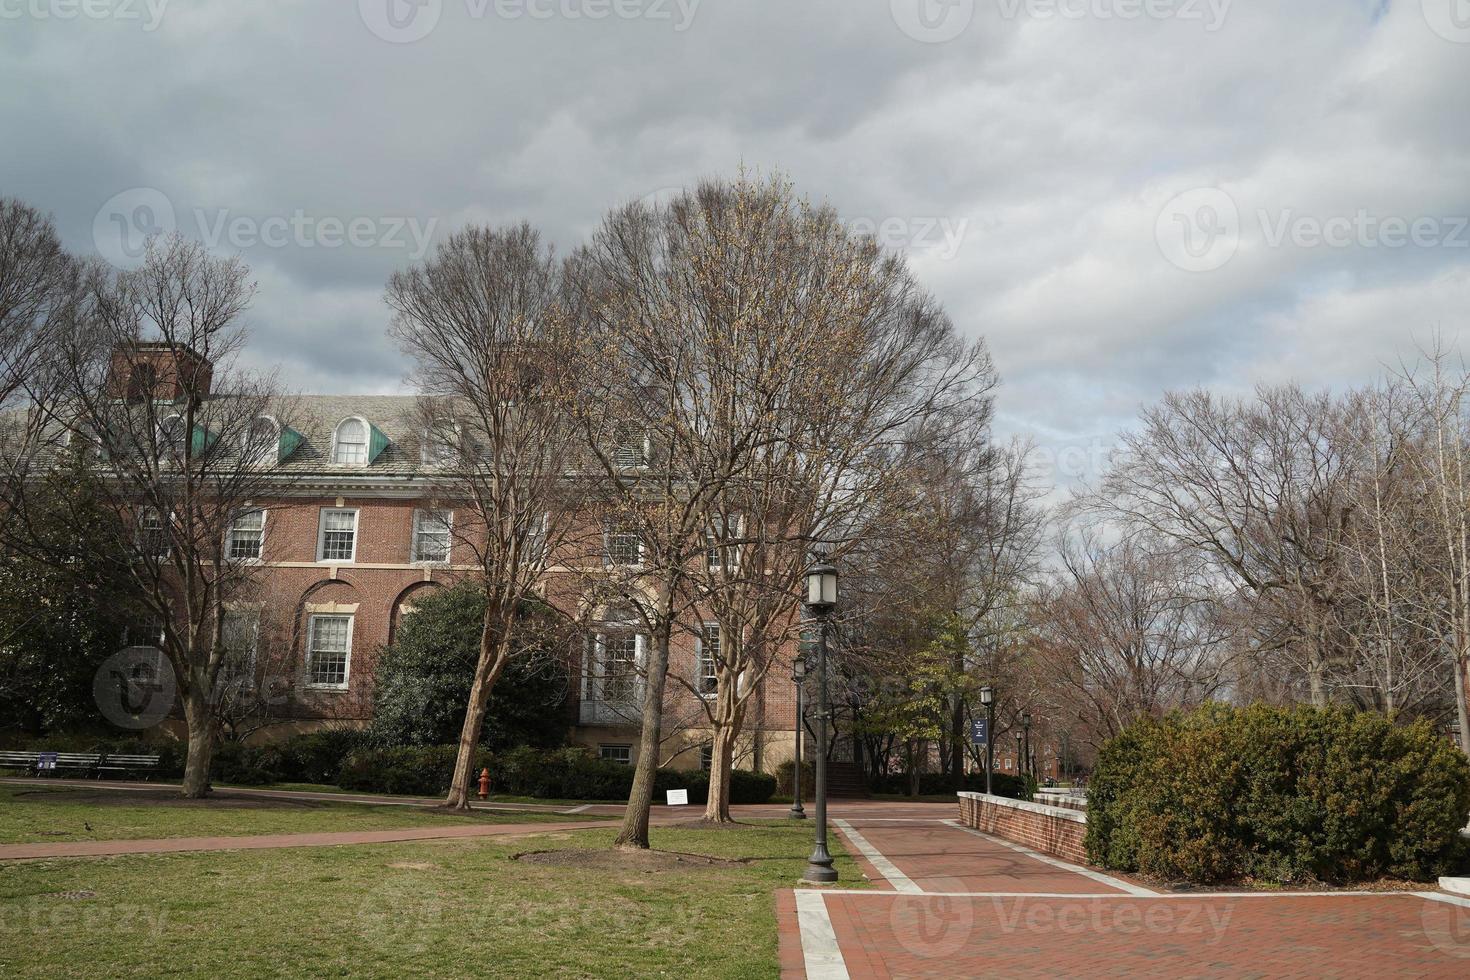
501	372
185	440
773	364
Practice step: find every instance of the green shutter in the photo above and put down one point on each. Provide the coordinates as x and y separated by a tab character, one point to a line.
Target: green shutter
203	439
290	441
377	442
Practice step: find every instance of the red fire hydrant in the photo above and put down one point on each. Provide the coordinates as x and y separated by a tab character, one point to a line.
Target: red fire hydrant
484	784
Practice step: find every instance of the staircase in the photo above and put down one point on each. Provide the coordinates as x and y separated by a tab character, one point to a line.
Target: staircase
845	781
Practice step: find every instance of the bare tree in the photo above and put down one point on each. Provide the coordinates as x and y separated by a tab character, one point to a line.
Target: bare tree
499	367
185	441
1128	630
773	364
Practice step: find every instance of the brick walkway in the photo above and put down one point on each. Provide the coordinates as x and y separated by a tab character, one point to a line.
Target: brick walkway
953	903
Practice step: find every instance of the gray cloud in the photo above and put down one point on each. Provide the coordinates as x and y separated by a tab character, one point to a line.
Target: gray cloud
1046	143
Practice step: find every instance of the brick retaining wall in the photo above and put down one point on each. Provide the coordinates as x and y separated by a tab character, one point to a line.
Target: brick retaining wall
1048	829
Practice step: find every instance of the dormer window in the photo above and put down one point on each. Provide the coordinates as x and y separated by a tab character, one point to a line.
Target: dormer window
262	442
440	445
171	435
631	449
350	444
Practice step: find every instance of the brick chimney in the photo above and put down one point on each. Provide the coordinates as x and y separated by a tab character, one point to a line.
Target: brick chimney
159	372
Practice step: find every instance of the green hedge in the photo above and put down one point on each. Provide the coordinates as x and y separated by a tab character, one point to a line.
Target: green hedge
1281	795
567	774
942	783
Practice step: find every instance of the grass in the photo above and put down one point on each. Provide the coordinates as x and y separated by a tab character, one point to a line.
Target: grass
45	814
424	909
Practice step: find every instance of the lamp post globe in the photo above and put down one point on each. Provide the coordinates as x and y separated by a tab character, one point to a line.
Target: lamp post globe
821	598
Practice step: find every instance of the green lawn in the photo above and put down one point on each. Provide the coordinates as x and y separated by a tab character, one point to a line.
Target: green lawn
426	909
30	813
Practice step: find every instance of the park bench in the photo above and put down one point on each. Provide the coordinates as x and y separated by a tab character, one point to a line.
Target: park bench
41	762
122	762
94	762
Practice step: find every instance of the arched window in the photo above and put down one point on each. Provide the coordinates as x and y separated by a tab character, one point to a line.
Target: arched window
350	446
262	441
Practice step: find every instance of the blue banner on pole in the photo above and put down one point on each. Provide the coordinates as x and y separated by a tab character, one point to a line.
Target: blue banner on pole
980	731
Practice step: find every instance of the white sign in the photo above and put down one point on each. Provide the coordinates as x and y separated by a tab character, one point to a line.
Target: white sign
678	797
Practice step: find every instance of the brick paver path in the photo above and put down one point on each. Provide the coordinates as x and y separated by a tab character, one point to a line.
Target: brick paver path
960	905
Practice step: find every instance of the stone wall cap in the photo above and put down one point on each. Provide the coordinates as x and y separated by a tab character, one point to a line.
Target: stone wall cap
1061	813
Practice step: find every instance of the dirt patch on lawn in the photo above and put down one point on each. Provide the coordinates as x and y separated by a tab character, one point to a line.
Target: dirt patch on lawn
162	797
610	860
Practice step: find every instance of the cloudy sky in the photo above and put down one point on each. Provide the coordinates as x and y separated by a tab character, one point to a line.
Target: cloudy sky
1123	196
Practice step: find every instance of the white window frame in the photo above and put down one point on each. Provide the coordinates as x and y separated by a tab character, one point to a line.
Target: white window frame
595	681
608	531
321	535
625	748
720	557
311	628
230	536
434	451
639	438
246	668
162	529
367	442
700	675
164	443
262	455
413	547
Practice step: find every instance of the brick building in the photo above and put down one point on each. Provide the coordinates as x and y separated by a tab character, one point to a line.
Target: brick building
354	535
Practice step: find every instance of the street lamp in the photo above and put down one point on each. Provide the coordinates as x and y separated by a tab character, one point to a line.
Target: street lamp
798	676
1026	727
821	597
1019	743
987	698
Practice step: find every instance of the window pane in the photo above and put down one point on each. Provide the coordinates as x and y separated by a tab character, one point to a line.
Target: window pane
352	442
431	535
328	655
246	535
339	533
709	652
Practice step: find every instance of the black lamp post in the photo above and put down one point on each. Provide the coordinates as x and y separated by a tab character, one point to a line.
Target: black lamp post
821	597
1026	727
987	698
1020	766
798	677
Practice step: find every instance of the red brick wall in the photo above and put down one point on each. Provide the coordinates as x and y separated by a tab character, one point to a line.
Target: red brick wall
1029	824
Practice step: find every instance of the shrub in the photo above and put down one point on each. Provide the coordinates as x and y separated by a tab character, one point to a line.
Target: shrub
250	765
1286	795
942	784
751	787
785	783
317	757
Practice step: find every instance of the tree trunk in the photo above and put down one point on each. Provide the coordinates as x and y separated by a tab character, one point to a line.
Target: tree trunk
199	716
634	832
1462	685
494	648
957	743
722	756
